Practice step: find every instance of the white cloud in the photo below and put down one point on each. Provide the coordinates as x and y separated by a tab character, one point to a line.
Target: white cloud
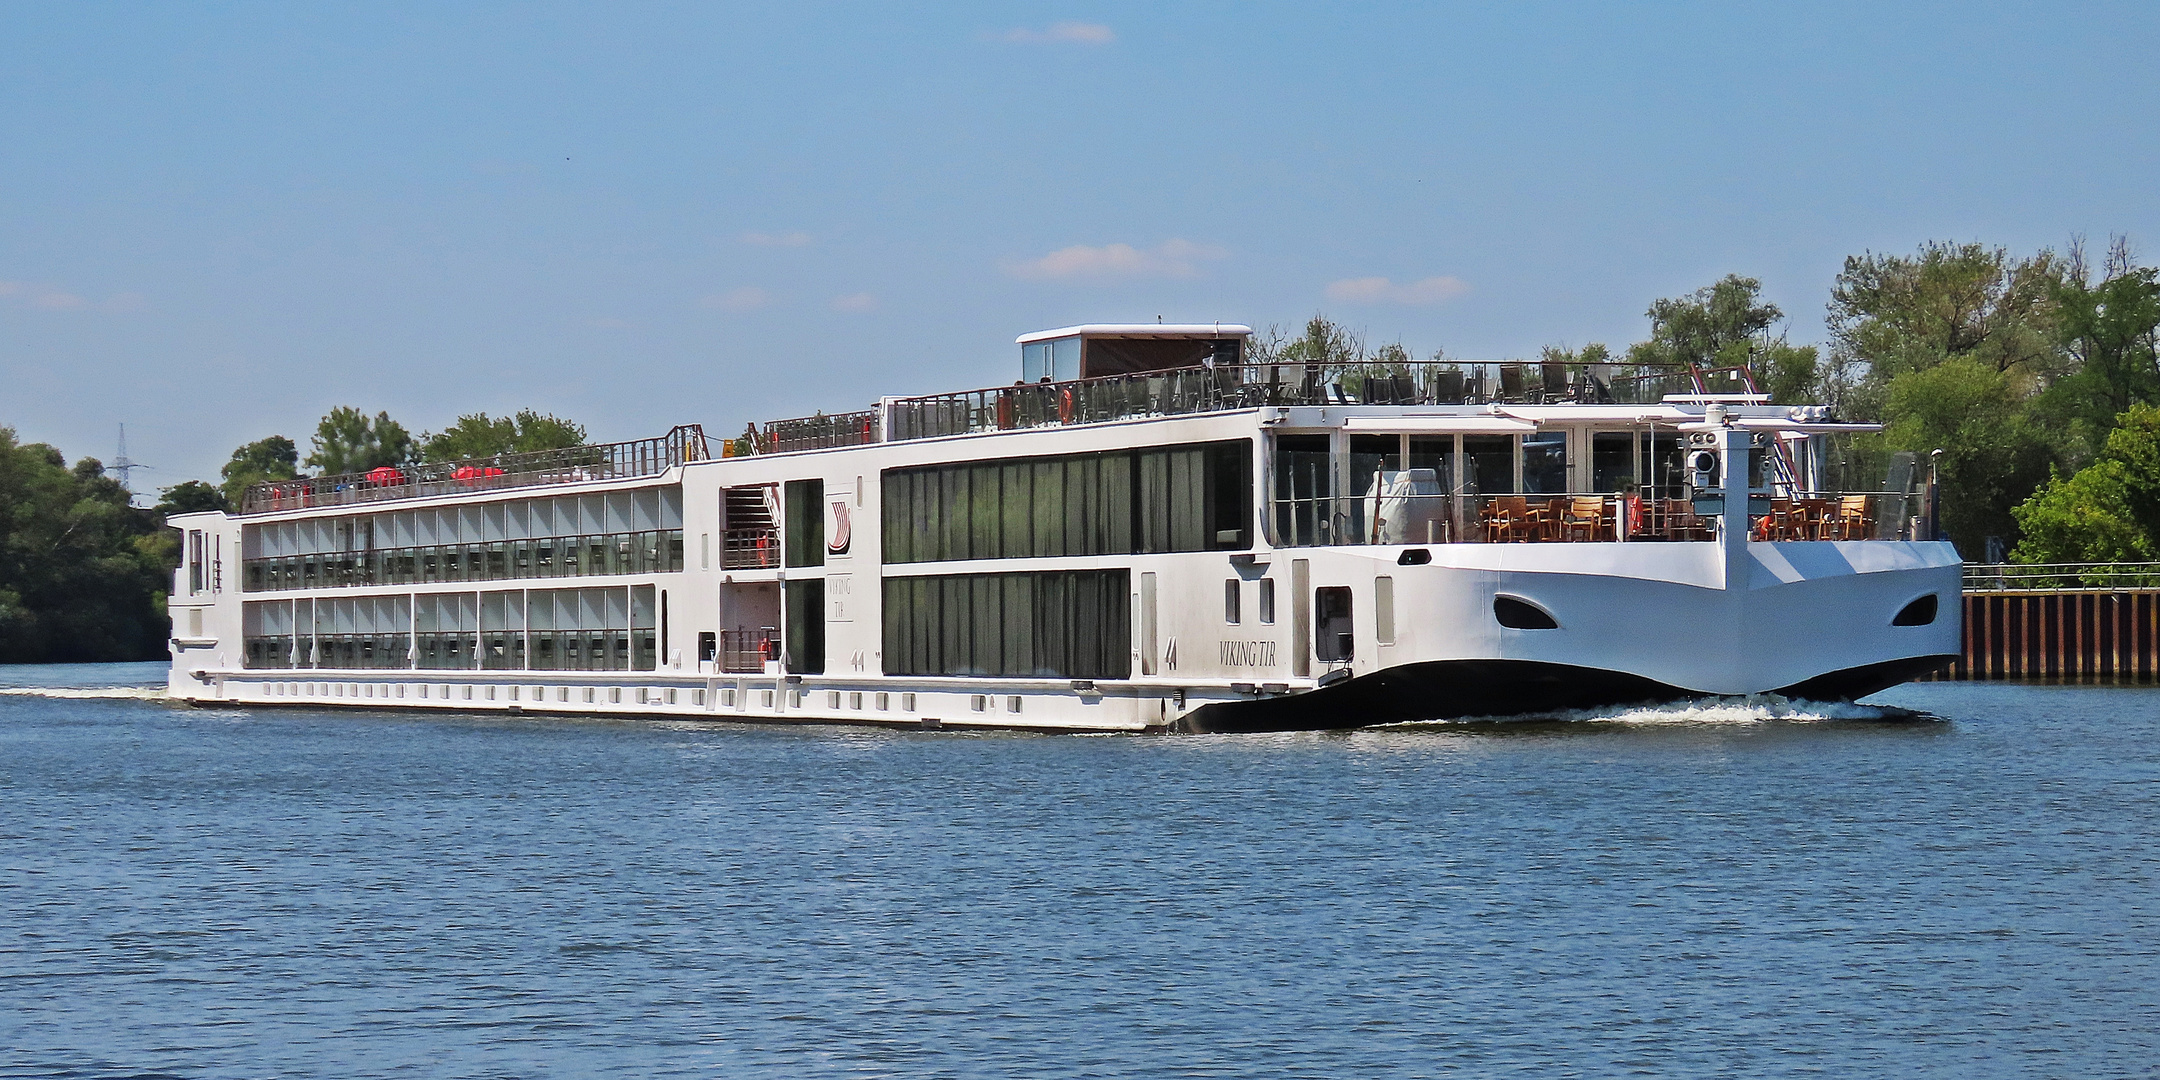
1172	259
861	301
1379	290
746	299
1060	33
59	301
789	239
10	288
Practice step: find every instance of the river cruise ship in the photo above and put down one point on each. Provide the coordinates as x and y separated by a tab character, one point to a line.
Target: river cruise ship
1148	531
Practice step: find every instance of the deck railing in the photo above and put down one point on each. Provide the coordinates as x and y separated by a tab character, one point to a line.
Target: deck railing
2060	577
571	465
819	432
1183	391
1579	517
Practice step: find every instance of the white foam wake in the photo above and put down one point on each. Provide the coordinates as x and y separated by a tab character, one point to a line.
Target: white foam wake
1753	709
129	693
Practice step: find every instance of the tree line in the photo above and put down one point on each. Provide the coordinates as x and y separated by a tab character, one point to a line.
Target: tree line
84	573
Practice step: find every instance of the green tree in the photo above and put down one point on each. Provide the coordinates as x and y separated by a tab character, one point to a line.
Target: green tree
1994	454
274	458
82	573
346	441
2109	329
478	435
1951	347
1324	341
2109	511
1728	325
189	496
1902	313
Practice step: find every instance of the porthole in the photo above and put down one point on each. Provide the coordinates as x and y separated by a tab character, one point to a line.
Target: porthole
1920	612
1516	613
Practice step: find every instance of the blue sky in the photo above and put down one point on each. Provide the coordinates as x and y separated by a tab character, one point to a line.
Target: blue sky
218	221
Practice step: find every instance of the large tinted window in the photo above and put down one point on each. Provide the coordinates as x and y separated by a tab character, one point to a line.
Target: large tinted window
804	532
1179	498
1074	624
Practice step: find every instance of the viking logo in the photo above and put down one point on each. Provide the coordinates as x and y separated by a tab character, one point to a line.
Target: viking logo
839	533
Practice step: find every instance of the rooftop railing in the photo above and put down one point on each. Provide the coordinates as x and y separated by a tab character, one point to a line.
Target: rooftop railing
571	465
2060	577
1184	391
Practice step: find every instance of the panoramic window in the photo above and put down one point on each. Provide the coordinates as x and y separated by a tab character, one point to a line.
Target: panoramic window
1195	497
1073	624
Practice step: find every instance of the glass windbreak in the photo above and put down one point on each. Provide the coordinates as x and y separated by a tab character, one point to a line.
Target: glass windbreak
1668	470
1489	463
1612	460
1544	462
1303	510
1371	456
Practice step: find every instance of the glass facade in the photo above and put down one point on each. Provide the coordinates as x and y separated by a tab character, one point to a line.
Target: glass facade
603	629
630	532
1195	497
1073	624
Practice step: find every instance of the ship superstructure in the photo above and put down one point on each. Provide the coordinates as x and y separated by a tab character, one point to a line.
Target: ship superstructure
1146	532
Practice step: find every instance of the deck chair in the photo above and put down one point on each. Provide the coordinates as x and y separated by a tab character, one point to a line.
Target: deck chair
1448	388
1583	518
1848	519
1511	382
1554	380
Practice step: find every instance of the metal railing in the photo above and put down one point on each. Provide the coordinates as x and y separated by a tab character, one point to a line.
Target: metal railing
749	549
1577	517
819	432
2060	577
746	651
1183	391
571	465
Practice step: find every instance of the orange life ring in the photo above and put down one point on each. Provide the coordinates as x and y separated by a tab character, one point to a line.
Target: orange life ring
1065	406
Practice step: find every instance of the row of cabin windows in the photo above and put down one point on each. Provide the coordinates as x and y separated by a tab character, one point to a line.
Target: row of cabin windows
649	510
502	560
1196	497
606	629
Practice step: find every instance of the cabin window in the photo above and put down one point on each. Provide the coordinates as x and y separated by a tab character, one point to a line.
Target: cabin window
1333	633
1233	595
1194	497
805	626
1383	608
1059	624
1267	601
195	560
803	531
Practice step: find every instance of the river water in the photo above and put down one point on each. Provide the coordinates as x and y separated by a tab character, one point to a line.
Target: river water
1963	884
